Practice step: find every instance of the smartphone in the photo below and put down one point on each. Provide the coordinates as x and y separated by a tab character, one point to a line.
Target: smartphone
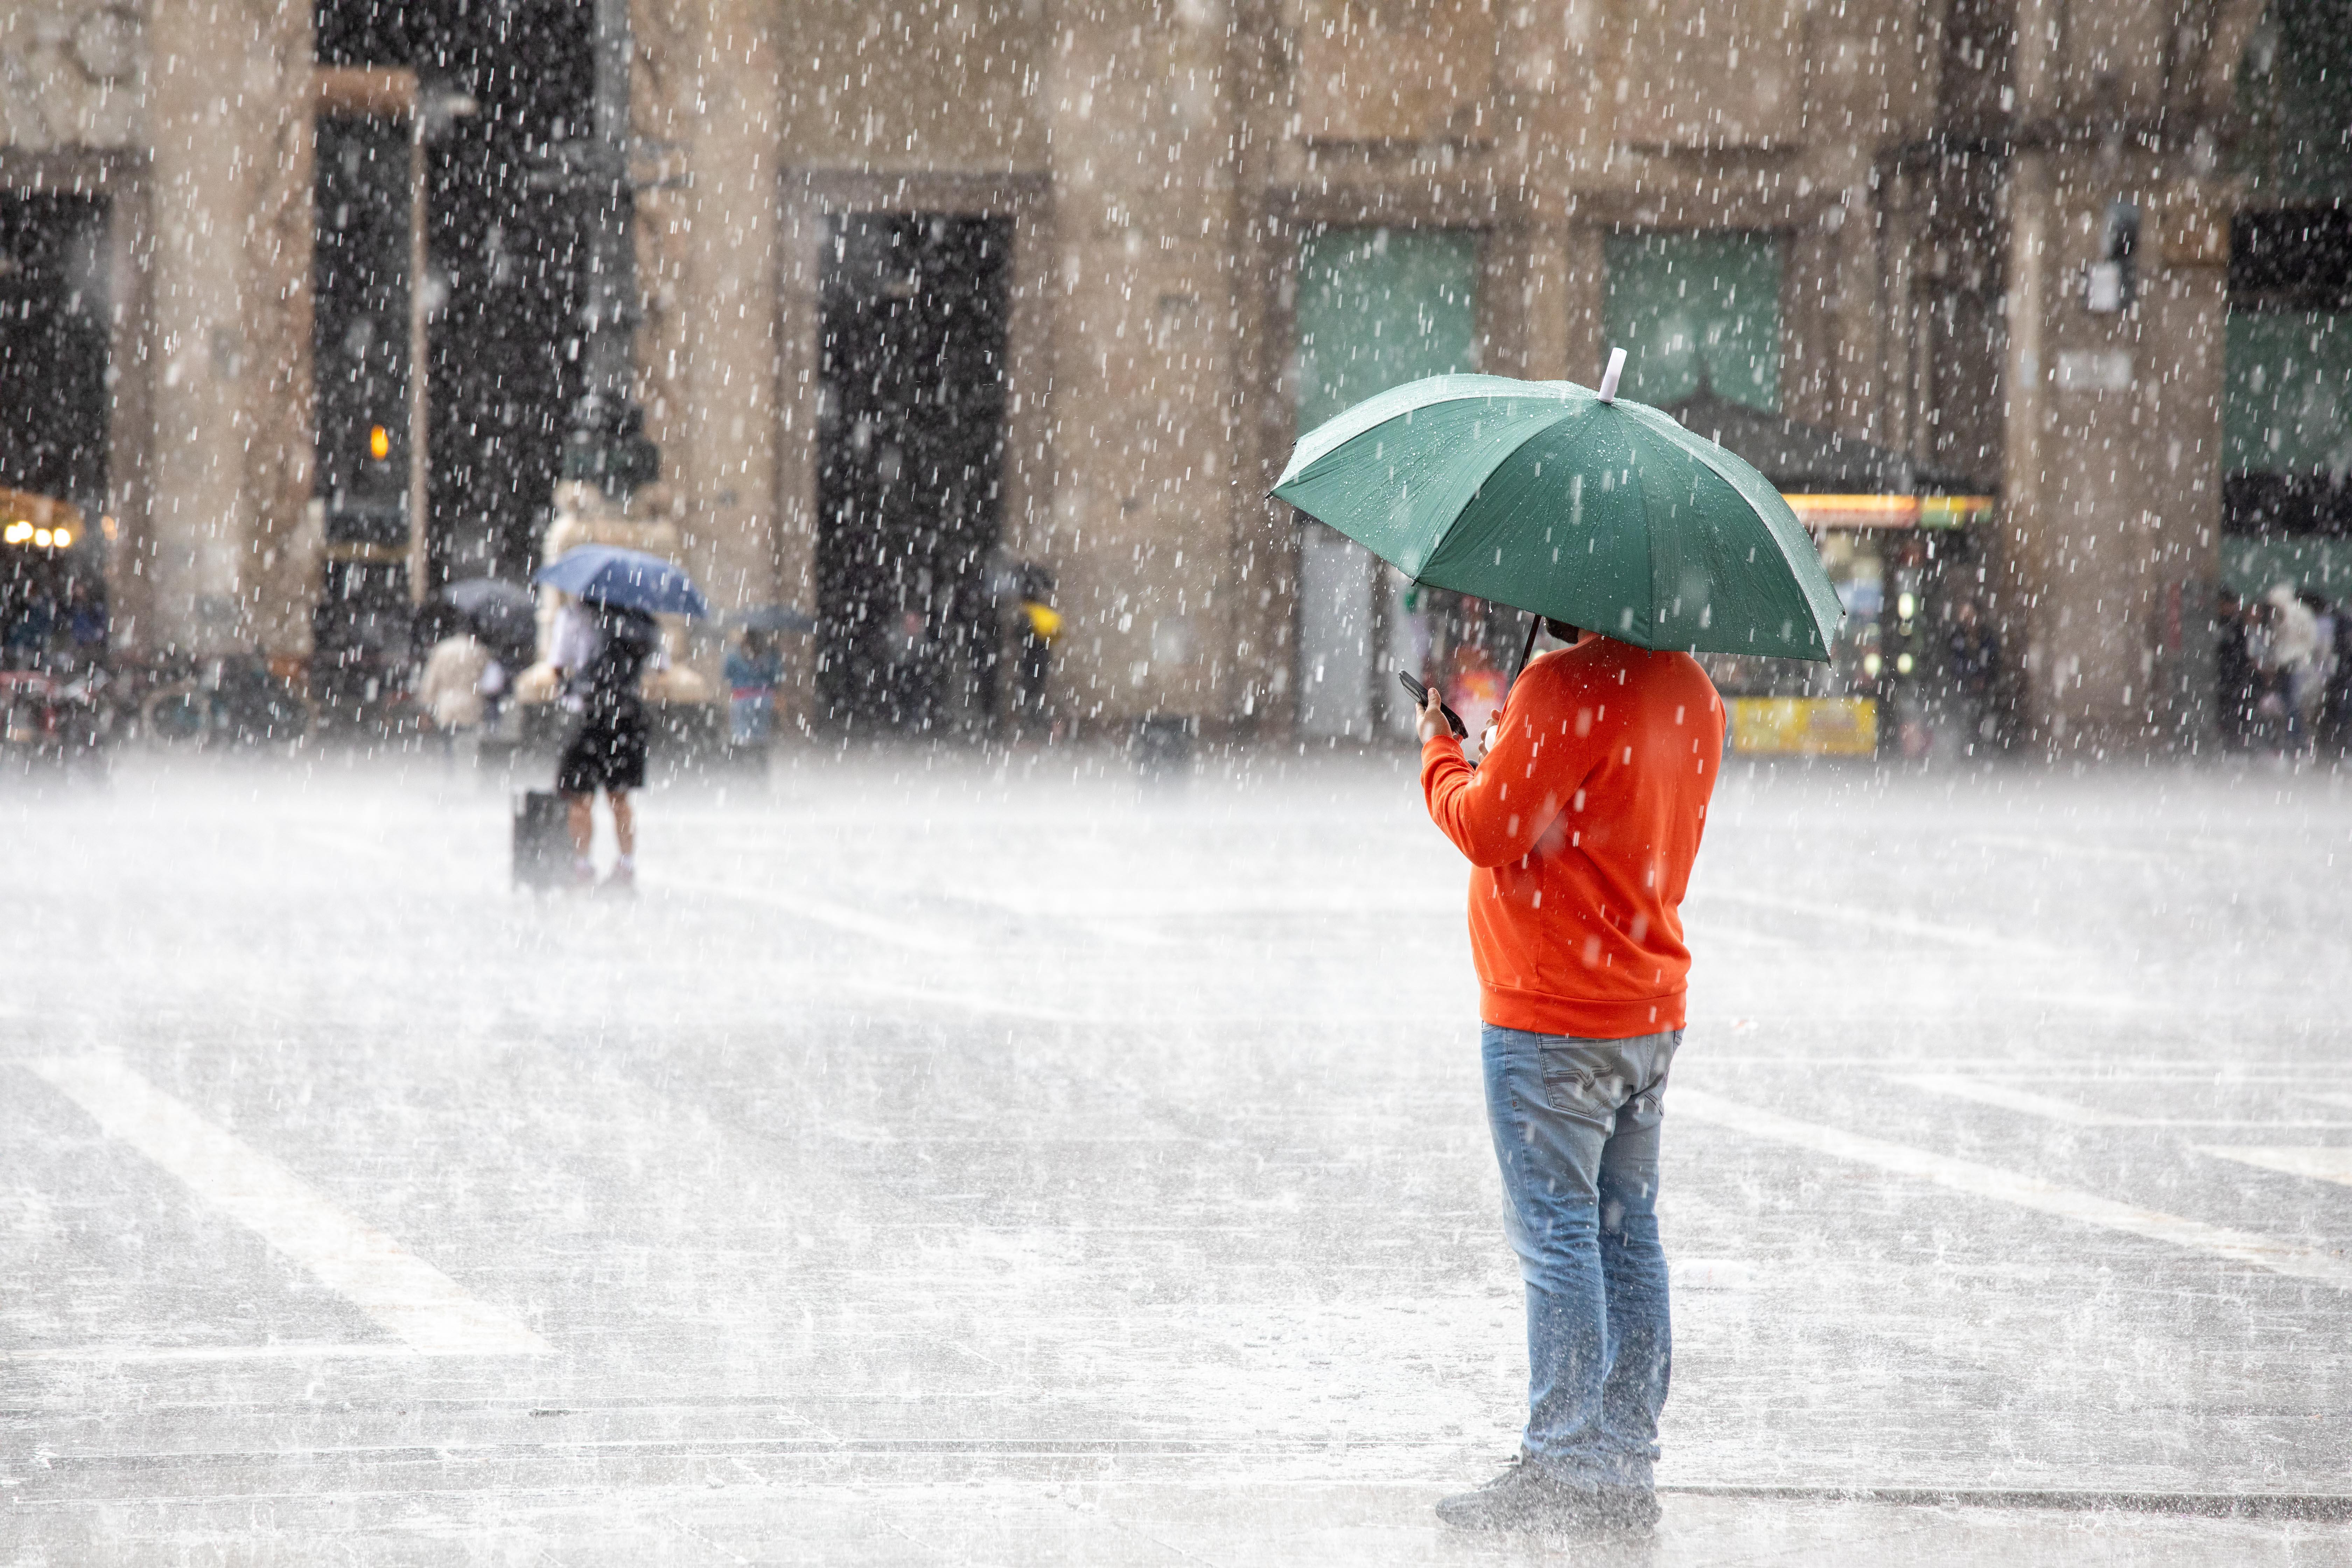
1420	696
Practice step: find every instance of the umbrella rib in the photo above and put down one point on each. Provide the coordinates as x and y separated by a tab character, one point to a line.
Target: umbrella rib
1649	552
1503	455
1771	533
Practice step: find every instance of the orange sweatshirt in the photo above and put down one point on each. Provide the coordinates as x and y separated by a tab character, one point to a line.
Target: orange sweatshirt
1582	823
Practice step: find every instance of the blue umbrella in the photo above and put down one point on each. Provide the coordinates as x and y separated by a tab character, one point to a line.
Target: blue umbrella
624	579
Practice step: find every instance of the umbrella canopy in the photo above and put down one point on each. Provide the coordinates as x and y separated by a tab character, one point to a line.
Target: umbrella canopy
503	613
1543	496
624	579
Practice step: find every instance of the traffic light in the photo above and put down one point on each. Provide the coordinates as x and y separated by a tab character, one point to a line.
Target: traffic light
359	347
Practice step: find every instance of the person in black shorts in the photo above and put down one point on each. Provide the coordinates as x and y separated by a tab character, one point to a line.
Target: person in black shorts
607	747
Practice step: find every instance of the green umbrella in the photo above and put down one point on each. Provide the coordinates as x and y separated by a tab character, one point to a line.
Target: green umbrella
1555	499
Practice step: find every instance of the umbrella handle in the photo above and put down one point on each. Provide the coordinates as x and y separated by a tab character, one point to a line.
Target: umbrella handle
1609	377
1527	648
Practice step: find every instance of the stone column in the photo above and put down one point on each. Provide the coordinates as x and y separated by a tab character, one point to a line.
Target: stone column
1030	450
2114	418
2185	305
1523	292
283	556
706	98
229	91
798	279
1143	144
1584	303
1814	322
2026	554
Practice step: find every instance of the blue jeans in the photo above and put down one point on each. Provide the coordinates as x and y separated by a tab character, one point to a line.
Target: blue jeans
1576	1128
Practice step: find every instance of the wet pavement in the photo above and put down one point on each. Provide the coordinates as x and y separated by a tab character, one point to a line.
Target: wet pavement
954	1158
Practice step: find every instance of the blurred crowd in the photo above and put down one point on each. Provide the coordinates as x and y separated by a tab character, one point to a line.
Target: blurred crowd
57	628
2283	671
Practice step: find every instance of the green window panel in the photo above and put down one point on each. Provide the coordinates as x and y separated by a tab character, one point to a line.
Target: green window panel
2295	98
2252	567
1682	303
1379	306
2286	400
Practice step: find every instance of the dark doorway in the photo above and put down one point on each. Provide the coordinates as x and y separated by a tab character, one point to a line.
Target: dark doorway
54	312
910	449
2289	354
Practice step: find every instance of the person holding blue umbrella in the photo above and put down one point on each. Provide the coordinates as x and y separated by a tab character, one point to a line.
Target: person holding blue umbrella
602	653
1637	543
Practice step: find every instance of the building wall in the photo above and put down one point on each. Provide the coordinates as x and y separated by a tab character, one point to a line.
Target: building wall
1163	160
228	96
710	265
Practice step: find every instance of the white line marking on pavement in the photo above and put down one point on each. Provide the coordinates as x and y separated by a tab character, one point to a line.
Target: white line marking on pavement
2111	1071
418	1304
1711	1274
824	912
283	1350
2048	1107
1876	920
1156	1013
2321	1164
970	1001
2093	1002
2051	1109
2026	1192
2080	851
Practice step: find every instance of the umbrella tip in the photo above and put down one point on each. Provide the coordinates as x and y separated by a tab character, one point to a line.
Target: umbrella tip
1609	377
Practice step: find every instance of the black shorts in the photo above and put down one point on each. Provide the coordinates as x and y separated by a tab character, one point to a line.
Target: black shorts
606	751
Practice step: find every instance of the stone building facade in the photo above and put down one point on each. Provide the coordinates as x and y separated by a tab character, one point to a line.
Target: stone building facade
1197	196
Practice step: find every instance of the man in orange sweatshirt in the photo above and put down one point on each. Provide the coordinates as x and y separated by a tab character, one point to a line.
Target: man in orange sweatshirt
1580	824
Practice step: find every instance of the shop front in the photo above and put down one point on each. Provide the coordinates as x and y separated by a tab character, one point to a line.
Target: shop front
1917	670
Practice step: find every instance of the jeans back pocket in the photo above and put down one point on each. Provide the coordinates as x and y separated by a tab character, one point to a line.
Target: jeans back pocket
1580	1081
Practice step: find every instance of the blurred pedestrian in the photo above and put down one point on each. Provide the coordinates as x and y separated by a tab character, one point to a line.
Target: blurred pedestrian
2323	666
1581	822
460	677
1972	665
2235	679
602	653
754	670
85	626
1035	625
24	642
2290	654
2336	705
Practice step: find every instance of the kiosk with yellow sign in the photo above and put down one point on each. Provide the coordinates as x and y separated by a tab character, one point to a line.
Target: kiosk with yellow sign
1890	533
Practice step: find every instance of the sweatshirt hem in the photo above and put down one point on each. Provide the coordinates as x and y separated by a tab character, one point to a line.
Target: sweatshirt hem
1583	1018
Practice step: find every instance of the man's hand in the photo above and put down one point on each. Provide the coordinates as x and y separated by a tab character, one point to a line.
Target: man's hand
1432	722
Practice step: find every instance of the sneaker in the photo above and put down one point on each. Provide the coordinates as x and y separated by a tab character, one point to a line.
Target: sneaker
621	881
1632	1510
1528	1496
